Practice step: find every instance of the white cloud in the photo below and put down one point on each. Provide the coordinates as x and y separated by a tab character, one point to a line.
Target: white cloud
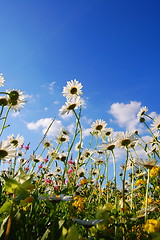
66	116
51	87
44	123
86	132
126	115
15	114
56	102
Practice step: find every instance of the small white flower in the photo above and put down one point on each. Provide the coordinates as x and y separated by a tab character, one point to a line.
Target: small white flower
142	111
7	151
156	124
16	141
79	146
15	99
87	153
125	139
87	223
1	80
61	138
107	132
73	89
98	126
98	161
146	163
70	105
36	158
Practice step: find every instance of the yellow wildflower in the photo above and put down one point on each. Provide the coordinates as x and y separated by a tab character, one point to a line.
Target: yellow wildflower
152	226
83	181
78	203
149	201
154	171
139	182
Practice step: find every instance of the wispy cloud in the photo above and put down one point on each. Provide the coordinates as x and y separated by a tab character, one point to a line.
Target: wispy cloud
43	124
125	115
51	87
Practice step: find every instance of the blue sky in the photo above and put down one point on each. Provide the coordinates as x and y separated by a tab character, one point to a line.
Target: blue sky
111	47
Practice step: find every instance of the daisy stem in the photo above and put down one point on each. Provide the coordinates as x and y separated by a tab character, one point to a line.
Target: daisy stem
5	119
146	202
124	178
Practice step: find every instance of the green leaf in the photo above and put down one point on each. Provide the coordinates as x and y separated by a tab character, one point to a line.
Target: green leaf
10	184
45	235
72	233
6	207
3	226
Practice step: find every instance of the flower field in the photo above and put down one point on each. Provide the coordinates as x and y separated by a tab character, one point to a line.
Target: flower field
62	190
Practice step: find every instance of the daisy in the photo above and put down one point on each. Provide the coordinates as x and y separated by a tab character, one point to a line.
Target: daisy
125	139
87	223
98	161
3	101
95	171
156	124
36	158
87	153
146	163
79	146
61	138
62	157
6	150
107	132
141	112
1	80
109	146
73	89
52	153
15	99
56	198
70	105
81	172
16	142
64	131
47	144
98	126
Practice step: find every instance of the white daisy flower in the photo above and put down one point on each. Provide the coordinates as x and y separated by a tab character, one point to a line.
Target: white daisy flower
36	158
125	139
61	138
142	111
87	153
15	99
98	161
1	80
61	157
73	89
95	171
64	131
79	146
87	223
16	141
7	151
146	163
70	105
47	144
107	132
98	126
52	153
109	146
81	172
156	124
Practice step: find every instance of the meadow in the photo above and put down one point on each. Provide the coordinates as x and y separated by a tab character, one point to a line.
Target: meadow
61	190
